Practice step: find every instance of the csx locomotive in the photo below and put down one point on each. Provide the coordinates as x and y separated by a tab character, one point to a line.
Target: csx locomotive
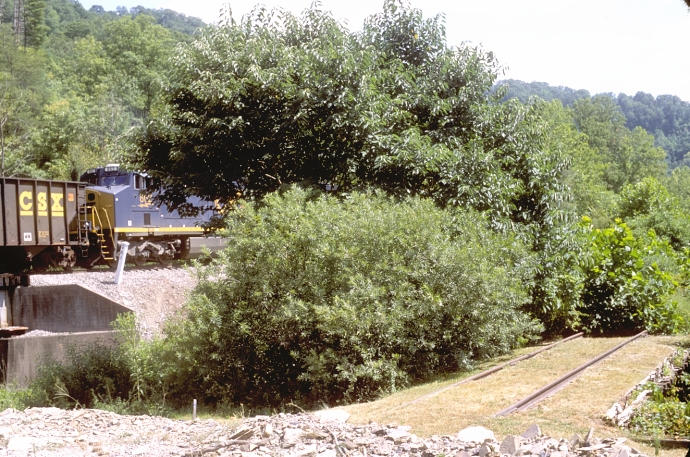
63	224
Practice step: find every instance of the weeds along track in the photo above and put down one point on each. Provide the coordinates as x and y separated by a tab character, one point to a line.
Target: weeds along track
563	381
490	371
538	395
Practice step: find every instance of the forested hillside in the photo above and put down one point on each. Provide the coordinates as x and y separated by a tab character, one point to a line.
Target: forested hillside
667	117
73	82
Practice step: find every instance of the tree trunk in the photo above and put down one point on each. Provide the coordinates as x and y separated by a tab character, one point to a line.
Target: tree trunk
18	21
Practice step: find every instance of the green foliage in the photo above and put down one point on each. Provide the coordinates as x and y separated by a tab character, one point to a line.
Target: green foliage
647	205
665	412
93	372
319	299
69	105
642	198
623	291
14	397
34	20
667	117
303	99
678	185
525	91
122	377
23	93
629	155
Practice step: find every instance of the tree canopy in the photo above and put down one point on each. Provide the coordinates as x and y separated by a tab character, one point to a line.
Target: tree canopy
280	99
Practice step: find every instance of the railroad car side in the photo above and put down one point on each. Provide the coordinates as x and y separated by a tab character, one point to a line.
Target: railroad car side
40	224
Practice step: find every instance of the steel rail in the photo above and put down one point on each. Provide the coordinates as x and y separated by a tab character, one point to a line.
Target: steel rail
490	371
560	383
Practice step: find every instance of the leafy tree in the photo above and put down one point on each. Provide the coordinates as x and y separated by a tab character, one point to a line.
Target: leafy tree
138	50
678	185
624	291
666	116
648	205
23	91
171	20
35	28
524	91
629	156
282	99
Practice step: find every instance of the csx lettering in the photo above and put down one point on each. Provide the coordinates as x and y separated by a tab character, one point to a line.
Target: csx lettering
42	204
57	209
26	203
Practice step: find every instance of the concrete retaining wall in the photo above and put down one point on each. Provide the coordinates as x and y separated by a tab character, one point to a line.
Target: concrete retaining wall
20	356
67	308
72	309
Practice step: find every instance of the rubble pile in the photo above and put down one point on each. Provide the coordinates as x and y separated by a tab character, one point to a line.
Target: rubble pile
86	432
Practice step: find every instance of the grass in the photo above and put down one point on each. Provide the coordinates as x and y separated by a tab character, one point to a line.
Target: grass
573	410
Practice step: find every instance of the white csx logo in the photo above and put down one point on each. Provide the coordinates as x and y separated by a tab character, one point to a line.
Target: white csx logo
26	204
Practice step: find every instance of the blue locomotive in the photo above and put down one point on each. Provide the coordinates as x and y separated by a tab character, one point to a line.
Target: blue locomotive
118	209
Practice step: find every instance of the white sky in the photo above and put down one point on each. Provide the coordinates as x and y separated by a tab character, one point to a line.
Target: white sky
599	45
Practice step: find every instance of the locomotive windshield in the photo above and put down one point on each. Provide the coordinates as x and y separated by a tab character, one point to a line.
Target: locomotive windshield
118	180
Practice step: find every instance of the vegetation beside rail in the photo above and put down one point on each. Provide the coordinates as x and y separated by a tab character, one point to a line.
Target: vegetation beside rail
390	217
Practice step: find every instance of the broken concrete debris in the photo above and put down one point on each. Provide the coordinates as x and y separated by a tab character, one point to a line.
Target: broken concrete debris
86	432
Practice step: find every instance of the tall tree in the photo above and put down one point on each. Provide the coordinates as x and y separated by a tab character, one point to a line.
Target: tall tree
35	29
282	99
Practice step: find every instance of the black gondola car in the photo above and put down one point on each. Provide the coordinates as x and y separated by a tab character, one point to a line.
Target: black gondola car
41	224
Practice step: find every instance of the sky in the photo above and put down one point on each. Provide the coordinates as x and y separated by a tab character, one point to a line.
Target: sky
598	45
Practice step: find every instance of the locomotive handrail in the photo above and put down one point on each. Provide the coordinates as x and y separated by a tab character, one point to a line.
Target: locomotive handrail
110	230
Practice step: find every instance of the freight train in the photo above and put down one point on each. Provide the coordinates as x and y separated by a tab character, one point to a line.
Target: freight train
65	224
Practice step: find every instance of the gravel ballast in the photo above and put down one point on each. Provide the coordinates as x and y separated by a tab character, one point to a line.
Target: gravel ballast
153	294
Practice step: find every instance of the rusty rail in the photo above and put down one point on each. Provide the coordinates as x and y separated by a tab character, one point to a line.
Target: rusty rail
560	383
490	371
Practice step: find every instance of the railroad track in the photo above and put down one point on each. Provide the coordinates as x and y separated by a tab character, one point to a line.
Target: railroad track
563	381
128	267
540	394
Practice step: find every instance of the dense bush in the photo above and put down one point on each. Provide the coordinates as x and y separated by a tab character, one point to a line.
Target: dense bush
122	375
88	374
319	299
625	289
665	413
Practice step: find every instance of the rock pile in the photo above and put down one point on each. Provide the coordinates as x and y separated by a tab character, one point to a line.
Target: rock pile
56	432
663	376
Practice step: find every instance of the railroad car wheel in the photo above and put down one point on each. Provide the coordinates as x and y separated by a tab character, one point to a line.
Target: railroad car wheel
165	259
39	264
141	259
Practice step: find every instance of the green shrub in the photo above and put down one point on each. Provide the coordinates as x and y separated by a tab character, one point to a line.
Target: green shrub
124	377
89	373
664	413
14	397
319	299
625	290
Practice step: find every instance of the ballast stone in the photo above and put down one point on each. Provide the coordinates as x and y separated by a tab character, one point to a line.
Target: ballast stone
337	415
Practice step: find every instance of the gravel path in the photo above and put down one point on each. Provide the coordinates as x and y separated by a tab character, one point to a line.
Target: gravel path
153	294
